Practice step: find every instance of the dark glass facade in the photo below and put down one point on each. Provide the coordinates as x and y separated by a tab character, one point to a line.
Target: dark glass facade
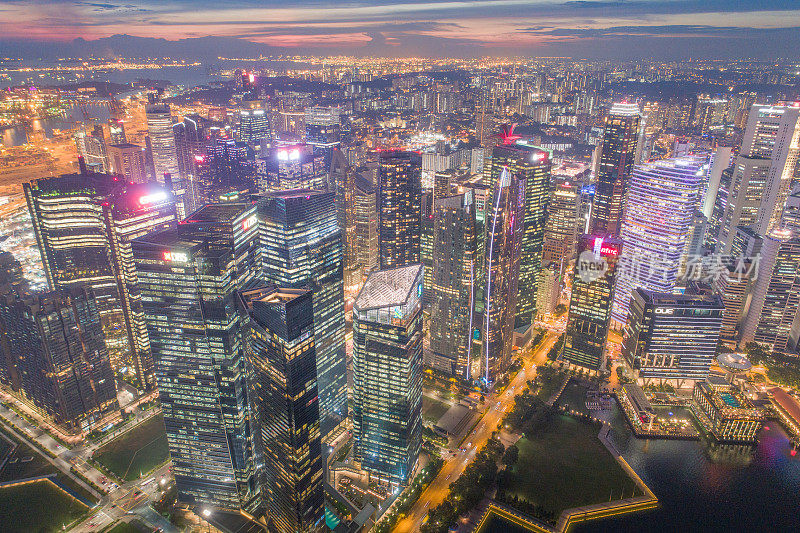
187	280
301	246
83	225
455	259
532	166
56	348
281	360
616	164
590	305
503	251
672	336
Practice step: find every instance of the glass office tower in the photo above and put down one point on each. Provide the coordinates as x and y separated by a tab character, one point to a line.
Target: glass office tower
532	166
662	199
672	336
590	305
387	373
399	208
187	280
503	250
455	258
84	224
301	246
616	164
55	348
281	359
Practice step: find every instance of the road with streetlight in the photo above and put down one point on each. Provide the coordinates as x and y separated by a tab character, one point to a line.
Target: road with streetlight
496	408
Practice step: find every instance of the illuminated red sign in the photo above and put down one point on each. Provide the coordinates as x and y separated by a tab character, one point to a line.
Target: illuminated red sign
171	256
249	222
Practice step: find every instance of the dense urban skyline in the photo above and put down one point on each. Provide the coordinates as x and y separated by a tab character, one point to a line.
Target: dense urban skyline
399	267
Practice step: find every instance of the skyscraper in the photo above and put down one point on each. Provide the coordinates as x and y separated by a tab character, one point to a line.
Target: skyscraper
254	126
662	199
165	155
83	223
129	213
773	318
672	336
762	172
57	350
399	208
280	352
187	280
455	265
561	230
285	168
503	250
590	305
91	146
127	160
387	373
116	131
301	246
365	219
162	140
616	164
531	165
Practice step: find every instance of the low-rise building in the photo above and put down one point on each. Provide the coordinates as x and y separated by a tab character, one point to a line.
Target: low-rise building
731	416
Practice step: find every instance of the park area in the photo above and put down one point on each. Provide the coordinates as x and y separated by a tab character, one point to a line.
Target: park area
136	452
572	468
433	409
25	463
38	507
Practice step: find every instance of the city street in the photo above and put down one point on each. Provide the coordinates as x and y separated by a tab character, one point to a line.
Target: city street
454	467
133	497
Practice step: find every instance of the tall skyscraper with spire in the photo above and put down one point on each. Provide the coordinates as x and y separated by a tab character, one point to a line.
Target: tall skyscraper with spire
617	157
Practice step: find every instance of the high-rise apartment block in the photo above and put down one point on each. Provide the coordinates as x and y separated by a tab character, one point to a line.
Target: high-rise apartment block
127	160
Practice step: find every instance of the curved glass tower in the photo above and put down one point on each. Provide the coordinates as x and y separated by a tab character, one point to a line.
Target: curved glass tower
662	198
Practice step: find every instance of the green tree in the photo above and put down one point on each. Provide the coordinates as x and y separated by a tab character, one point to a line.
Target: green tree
511	455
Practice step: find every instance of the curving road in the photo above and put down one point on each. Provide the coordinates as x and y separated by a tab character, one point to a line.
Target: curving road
496	408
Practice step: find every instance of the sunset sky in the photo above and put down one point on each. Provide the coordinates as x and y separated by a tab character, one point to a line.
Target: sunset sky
445	27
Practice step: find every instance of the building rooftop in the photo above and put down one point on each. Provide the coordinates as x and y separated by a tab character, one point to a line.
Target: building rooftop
218	213
694	301
388	288
624	109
